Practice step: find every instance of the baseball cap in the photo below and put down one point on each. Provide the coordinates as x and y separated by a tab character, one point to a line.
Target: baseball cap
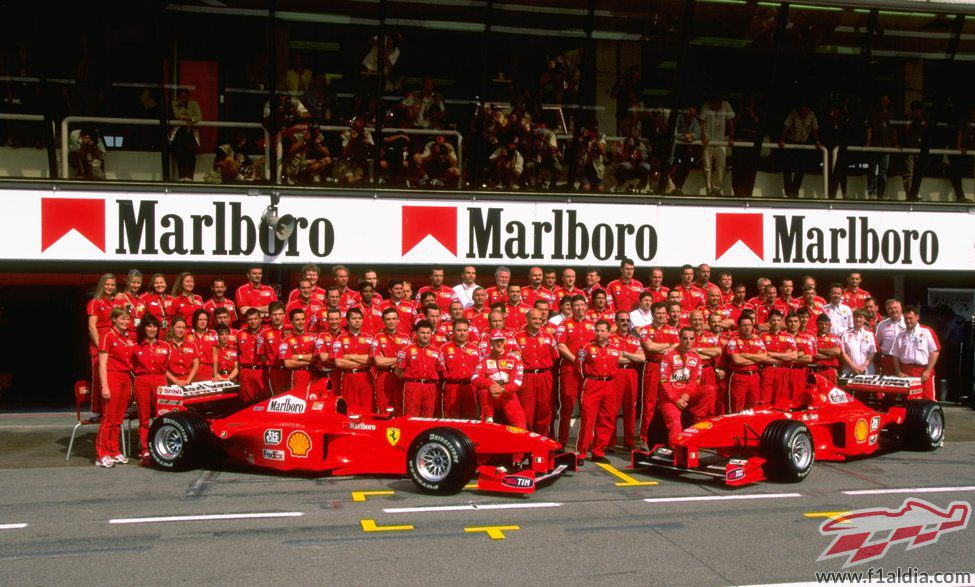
497	335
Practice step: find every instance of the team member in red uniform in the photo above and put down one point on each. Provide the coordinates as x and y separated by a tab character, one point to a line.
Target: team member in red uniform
600	308
598	362
149	359
538	352
271	343
828	350
184	357
351	352
497	379
317	293
627	378
746	355
806	346
372	316
205	339
477	315
656	286
445	295
691	295
99	312
299	353
550	280
732	310
814	308
499	291
253	387
254	294
594	283
770	302
516	311
702	279
786	290
431	313
873	314
460	358
760	285
916	351
404	308
304	301
220	300
716	334
158	303
708	347
340	280
853	296
221	317
726	285
776	379
681	387
536	290
185	302
714	305
568	285
225	355
420	365
657	339
677	316
807	282
496	322
326	377
571	335
385	345
129	299
115	376
625	291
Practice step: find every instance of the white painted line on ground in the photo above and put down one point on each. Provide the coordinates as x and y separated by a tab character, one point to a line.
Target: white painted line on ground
12	526
206	517
910	490
472	507
722	497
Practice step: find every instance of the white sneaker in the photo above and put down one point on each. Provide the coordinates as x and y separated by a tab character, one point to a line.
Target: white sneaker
121	459
107	462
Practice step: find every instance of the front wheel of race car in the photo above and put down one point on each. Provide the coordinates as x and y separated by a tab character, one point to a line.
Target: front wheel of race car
924	425
441	460
787	447
176	440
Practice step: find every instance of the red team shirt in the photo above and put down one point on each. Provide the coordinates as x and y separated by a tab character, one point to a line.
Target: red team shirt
227	357
573	334
249	296
407	315
739	345
212	304
119	349
677	371
781	342
181	358
626	296
597	360
825	342
204	345
530	295
351	344
151	358
388	345
459	362
659	295
270	343
691	297
249	349
538	351
420	362
445	296
665	334
186	305
855	299
478	318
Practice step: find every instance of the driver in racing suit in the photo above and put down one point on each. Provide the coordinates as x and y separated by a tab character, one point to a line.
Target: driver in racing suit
497	378
681	388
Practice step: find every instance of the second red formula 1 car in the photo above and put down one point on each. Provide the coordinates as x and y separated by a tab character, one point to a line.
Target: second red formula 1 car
291	433
829	424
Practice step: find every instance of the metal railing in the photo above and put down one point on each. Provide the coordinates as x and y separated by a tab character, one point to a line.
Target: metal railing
903	151
68	121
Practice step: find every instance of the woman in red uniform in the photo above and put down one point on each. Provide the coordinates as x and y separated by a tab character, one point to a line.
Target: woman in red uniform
149	361
131	301
225	356
115	373
204	339
185	302
184	360
99	312
158	303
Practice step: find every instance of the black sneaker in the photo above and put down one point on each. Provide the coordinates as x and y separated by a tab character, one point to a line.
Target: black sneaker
599	459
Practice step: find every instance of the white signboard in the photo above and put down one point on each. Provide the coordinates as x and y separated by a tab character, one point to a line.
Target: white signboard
119	226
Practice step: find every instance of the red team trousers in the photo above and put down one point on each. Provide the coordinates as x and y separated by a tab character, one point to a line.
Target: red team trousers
916	371
357	391
459	401
570	385
597	424
145	402
389	393
113	412
700	404
627	387
535	396
419	399
743	387
506	403
651	388
252	385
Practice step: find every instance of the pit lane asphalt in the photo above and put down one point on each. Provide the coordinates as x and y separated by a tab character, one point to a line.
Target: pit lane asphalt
582	530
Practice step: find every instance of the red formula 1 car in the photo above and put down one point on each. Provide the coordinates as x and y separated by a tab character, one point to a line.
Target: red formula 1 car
829	424
290	433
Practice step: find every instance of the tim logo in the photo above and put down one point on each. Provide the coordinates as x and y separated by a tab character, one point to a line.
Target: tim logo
866	535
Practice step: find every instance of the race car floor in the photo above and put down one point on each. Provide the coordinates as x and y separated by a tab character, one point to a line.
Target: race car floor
71	523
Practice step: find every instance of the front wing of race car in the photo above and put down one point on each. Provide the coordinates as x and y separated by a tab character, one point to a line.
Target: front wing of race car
499	480
732	471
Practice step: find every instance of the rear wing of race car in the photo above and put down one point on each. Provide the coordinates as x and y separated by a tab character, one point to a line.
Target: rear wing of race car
199	395
886	389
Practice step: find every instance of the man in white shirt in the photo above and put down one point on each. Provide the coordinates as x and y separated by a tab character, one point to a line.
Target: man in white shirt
887	331
915	351
840	315
642	315
465	289
565	310
859	347
717	125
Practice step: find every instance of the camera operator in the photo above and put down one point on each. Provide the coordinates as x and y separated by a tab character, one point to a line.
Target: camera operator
357	143
507	165
438	163
394	162
543	163
633	158
231	164
87	153
425	107
590	159
308	159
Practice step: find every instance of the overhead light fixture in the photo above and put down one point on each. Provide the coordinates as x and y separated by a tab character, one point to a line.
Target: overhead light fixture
283	226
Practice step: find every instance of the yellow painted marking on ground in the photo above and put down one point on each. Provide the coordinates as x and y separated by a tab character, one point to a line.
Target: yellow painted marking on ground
362	495
370	526
495	532
627	480
831	515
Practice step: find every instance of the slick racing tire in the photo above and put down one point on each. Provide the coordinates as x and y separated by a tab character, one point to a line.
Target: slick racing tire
788	449
441	460
924	425
177	440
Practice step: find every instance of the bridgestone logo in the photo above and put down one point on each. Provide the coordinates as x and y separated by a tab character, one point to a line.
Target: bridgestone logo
288	404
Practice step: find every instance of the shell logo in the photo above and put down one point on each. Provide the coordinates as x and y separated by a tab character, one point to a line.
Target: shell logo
516	430
861	431
704	425
299	444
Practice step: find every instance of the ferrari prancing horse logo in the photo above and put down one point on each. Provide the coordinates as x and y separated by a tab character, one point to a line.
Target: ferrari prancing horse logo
392	436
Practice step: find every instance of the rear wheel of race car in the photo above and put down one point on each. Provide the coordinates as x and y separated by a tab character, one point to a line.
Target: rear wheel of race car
441	460
787	447
177	439
924	425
